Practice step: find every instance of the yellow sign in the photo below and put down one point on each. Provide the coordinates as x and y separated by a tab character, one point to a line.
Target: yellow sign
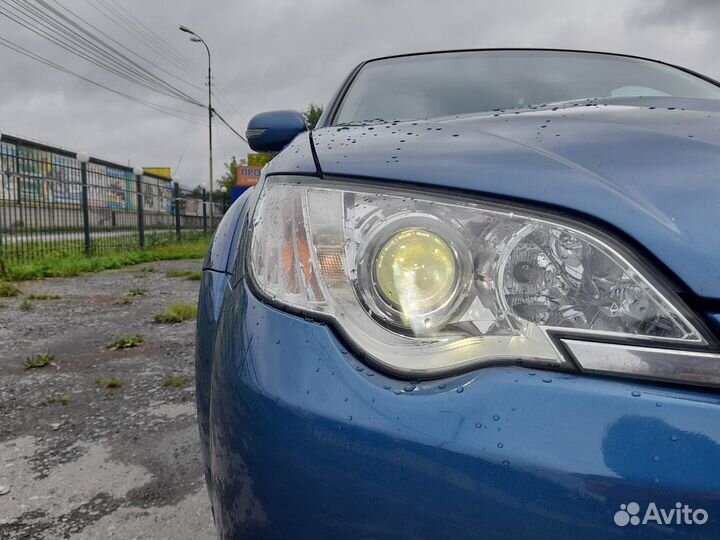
258	160
163	172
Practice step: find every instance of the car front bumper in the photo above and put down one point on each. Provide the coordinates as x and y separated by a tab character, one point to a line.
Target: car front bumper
306	441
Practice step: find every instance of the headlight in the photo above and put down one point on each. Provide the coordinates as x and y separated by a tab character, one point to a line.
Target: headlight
426	285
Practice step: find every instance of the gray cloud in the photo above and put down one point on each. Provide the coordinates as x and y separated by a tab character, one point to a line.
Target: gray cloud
678	12
271	54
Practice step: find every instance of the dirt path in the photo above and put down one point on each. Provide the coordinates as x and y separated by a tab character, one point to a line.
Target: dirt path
80	461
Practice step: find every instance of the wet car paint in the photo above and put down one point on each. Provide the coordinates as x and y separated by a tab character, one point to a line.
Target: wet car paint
306	441
302	439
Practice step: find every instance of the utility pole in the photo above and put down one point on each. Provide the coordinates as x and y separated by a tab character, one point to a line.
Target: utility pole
197	39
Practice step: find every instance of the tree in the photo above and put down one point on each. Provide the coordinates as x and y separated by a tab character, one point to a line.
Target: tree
230	177
312	115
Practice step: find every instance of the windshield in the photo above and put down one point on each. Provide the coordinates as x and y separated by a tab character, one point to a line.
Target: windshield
444	84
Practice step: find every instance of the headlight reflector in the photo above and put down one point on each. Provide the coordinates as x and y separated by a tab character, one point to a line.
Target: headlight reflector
426	285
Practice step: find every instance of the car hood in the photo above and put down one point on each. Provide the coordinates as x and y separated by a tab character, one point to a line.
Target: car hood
649	168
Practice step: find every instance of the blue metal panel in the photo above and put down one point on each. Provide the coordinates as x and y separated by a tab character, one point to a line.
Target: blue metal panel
307	442
297	158
224	245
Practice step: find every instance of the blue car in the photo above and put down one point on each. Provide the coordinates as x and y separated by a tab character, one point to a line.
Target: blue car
481	299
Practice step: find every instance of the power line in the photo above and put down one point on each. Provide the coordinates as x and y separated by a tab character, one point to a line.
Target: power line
160	108
228	103
113	52
122	22
142	28
67	39
145	59
158	39
63	31
229	126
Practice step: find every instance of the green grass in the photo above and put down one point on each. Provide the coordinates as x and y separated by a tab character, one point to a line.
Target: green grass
110	382
39	361
41	297
59	400
59	265
8	289
126	343
187	274
176	381
26	305
177	313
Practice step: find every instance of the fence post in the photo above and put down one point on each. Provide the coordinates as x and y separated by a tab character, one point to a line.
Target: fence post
176	209
138	171
205	214
83	158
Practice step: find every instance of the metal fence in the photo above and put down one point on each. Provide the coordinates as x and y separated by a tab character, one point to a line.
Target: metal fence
51	204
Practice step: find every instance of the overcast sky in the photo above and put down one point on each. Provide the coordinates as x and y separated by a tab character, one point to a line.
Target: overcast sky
271	54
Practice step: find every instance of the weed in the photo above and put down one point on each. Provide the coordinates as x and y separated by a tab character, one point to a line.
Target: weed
176	381
136	292
41	296
110	382
177	313
7	289
59	400
126	343
26	305
39	361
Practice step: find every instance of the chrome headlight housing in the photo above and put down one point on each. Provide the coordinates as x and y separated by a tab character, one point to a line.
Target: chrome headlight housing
426	284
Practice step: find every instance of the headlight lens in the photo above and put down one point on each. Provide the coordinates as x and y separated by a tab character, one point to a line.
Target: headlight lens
427	285
415	271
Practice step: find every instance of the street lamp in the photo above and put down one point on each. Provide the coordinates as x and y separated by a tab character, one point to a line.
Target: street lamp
224	190
197	39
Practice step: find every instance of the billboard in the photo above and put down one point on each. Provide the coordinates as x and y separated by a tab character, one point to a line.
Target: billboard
248	175
164	172
120	188
42	176
8	166
64	180
259	160
33	167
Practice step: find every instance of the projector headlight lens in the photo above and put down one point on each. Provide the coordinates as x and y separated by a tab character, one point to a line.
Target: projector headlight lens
426	285
416	271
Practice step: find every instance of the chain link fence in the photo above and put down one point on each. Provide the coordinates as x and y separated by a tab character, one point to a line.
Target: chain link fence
51	204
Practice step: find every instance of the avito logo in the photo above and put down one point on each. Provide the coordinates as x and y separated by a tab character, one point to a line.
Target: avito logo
682	514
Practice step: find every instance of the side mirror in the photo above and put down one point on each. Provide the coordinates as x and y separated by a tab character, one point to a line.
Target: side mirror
272	131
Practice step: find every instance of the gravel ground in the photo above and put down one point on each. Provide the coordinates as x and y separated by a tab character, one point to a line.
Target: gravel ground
83	462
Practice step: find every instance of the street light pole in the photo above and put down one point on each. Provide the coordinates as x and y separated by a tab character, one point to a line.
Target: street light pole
197	39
